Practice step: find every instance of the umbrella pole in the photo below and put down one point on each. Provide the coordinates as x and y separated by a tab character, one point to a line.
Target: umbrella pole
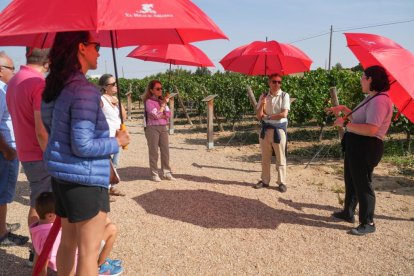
169	77
265	62
116	77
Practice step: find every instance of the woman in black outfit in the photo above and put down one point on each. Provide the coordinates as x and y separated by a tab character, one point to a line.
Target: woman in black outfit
366	127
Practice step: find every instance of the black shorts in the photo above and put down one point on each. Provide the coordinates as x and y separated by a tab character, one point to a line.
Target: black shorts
79	202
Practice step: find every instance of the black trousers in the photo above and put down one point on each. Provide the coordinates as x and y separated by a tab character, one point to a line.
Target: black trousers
362	155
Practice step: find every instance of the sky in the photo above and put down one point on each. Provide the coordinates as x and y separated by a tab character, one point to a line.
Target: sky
303	23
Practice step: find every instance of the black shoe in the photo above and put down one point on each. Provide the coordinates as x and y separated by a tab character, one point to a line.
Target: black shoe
282	188
363	229
260	185
11	227
31	258
11	239
342	216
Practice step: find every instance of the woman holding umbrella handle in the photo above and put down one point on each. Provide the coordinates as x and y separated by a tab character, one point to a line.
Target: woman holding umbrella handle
78	151
366	127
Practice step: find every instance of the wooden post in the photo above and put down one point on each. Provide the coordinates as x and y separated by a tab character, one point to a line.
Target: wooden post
180	101
215	113
171	126
129	104
210	114
252	99
335	102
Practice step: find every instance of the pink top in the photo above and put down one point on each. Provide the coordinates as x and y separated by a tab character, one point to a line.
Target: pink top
39	234
24	95
154	116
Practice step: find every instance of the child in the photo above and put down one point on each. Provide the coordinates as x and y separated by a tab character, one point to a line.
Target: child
45	207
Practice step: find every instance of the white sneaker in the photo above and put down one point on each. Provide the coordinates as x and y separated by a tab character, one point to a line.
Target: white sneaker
169	176
156	178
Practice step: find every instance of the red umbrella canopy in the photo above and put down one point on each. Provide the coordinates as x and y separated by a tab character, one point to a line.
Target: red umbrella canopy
265	58
177	54
28	22
372	50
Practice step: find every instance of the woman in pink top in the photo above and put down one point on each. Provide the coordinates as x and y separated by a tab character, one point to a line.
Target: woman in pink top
156	119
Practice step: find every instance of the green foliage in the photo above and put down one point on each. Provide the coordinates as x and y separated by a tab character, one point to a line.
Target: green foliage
310	90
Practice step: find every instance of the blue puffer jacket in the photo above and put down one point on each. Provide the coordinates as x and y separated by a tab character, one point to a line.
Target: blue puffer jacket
79	146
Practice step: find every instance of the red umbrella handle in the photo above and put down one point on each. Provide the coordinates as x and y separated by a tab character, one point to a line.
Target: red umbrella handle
50	240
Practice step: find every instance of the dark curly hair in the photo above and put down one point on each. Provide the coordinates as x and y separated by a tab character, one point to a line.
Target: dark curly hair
380	82
63	62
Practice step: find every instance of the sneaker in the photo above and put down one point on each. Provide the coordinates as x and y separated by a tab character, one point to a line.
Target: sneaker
108	269
169	176
342	216
12	227
114	262
282	188
156	178
11	239
31	258
260	185
363	229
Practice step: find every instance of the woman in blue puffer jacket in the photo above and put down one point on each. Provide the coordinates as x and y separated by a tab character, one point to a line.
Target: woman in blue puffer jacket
78	151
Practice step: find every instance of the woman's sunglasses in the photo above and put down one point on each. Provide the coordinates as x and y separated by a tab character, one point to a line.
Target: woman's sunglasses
97	44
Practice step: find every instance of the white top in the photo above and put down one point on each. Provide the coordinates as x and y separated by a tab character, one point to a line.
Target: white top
275	105
111	113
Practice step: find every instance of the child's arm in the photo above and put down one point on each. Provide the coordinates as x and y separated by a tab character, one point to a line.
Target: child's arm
42	272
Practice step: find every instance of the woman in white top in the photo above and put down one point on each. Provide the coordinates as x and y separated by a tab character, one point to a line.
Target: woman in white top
110	107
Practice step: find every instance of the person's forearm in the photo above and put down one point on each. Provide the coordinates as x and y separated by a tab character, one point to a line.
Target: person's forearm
124	115
42	139
279	116
3	145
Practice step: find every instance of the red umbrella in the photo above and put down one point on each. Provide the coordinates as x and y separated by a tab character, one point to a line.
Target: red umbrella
133	21
118	23
264	58
177	54
372	50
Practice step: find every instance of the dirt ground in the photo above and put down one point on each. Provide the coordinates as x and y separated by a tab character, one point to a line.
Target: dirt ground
212	222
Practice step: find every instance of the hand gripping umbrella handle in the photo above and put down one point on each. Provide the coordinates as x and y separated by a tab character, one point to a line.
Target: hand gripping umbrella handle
123	128
47	247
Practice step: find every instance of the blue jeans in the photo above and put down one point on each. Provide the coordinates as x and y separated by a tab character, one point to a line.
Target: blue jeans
9	171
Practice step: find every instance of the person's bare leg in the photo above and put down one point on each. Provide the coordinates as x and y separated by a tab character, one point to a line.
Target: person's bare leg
3	215
42	272
65	259
109	237
89	236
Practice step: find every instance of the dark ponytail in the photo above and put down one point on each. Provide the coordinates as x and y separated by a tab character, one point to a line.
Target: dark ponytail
63	62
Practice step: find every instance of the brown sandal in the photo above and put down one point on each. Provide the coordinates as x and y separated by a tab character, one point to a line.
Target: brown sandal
115	192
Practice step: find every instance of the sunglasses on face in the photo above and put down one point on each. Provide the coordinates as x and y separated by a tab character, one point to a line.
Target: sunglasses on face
111	84
97	44
11	68
158	88
276	81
